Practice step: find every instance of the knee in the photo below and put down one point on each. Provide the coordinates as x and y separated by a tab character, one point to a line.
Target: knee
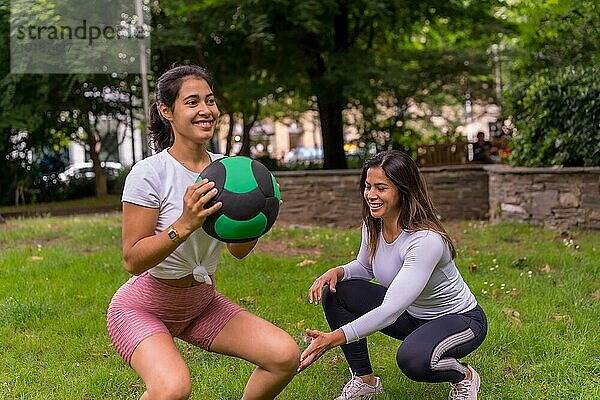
171	389
328	298
286	358
412	365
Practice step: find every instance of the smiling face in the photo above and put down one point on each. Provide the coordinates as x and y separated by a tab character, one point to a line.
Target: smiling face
194	114
381	195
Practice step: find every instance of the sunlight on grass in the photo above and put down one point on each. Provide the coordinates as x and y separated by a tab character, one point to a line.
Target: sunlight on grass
541	292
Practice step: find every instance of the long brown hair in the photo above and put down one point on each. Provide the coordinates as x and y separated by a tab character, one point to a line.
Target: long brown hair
417	211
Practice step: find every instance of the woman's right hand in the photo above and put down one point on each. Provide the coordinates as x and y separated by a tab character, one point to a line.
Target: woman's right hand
195	199
331	278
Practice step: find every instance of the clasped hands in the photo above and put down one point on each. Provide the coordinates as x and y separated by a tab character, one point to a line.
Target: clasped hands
320	342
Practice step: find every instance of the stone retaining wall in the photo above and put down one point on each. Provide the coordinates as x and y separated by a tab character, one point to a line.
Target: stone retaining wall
458	192
560	198
332	197
326	198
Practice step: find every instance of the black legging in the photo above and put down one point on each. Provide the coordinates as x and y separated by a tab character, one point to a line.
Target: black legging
430	348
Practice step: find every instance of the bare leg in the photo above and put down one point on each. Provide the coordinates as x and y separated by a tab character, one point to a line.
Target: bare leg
158	362
271	349
369	379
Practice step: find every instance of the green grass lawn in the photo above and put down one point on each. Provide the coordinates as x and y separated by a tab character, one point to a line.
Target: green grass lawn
541	293
78	203
111	200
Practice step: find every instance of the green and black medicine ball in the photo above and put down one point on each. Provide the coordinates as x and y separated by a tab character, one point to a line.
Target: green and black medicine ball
250	198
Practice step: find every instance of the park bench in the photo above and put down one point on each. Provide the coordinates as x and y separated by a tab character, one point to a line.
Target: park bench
430	155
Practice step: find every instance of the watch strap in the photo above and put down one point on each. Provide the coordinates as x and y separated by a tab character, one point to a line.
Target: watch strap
174	235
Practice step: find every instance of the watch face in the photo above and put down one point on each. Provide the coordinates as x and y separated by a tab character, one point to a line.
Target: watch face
172	234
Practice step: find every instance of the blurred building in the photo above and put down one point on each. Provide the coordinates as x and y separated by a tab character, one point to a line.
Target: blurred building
286	140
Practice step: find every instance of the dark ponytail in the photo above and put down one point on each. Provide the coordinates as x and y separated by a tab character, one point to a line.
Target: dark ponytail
160	133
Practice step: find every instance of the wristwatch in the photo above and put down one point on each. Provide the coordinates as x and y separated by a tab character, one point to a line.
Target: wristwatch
174	235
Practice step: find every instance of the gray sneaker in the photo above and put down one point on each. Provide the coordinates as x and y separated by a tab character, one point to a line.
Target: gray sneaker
356	389
466	389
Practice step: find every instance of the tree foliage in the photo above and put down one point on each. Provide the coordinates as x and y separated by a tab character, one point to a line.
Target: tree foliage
40	114
336	54
81	108
557	114
553	34
350	52
553	96
274	58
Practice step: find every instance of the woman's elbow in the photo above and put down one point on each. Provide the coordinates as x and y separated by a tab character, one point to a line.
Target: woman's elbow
130	266
241	250
391	315
238	255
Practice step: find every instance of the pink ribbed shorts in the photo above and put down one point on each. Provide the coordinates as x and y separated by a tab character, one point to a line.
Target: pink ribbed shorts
144	306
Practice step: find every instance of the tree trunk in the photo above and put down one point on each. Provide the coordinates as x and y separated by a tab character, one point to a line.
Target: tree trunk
332	130
328	88
101	181
245	149
248	123
99	172
131	124
93	142
229	133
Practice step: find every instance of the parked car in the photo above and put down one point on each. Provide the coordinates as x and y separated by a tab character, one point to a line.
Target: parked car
85	171
304	155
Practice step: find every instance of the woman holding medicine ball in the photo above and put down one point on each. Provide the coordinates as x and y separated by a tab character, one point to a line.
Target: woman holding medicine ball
173	261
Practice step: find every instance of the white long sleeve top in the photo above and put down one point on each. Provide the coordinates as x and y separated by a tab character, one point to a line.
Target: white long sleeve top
420	276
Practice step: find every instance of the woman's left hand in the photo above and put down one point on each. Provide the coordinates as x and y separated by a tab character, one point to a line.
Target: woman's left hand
320	343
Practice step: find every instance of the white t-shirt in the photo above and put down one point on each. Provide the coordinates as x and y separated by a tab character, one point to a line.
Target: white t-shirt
421	277
160	181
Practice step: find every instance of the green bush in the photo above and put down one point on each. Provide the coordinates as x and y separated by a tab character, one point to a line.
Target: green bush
407	140
557	116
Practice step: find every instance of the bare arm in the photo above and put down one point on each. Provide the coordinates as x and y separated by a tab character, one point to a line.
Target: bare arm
142	248
241	250
320	342
331	277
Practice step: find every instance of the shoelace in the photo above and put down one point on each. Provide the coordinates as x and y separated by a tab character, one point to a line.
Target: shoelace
354	385
460	390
